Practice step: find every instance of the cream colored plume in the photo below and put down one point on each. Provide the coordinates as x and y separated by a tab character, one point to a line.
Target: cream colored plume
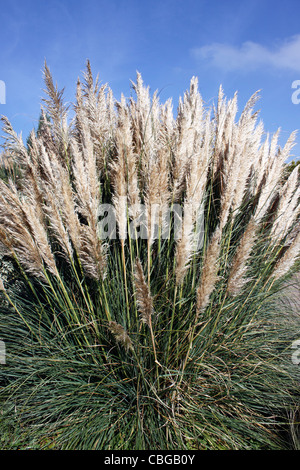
287	261
143	294
209	273
238	267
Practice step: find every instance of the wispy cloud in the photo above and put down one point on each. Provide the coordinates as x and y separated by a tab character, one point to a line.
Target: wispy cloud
251	55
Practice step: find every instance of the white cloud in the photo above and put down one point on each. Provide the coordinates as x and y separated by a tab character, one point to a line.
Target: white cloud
251	55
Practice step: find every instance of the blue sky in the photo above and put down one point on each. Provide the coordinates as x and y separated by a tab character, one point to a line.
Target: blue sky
243	45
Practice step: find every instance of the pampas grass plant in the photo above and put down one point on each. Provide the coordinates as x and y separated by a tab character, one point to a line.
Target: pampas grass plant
135	335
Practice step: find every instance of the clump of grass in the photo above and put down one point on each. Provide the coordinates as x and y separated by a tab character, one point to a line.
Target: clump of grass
137	335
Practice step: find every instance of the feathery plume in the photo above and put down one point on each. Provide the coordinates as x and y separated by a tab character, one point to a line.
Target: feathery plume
126	163
288	207
275	165
157	194
191	171
200	159
22	234
57	111
223	121
143	295
121	335
287	261
209	274
40	236
235	167
118	172
167	123
239	264
142	122
89	247
189	124
95	107
57	228
185	246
